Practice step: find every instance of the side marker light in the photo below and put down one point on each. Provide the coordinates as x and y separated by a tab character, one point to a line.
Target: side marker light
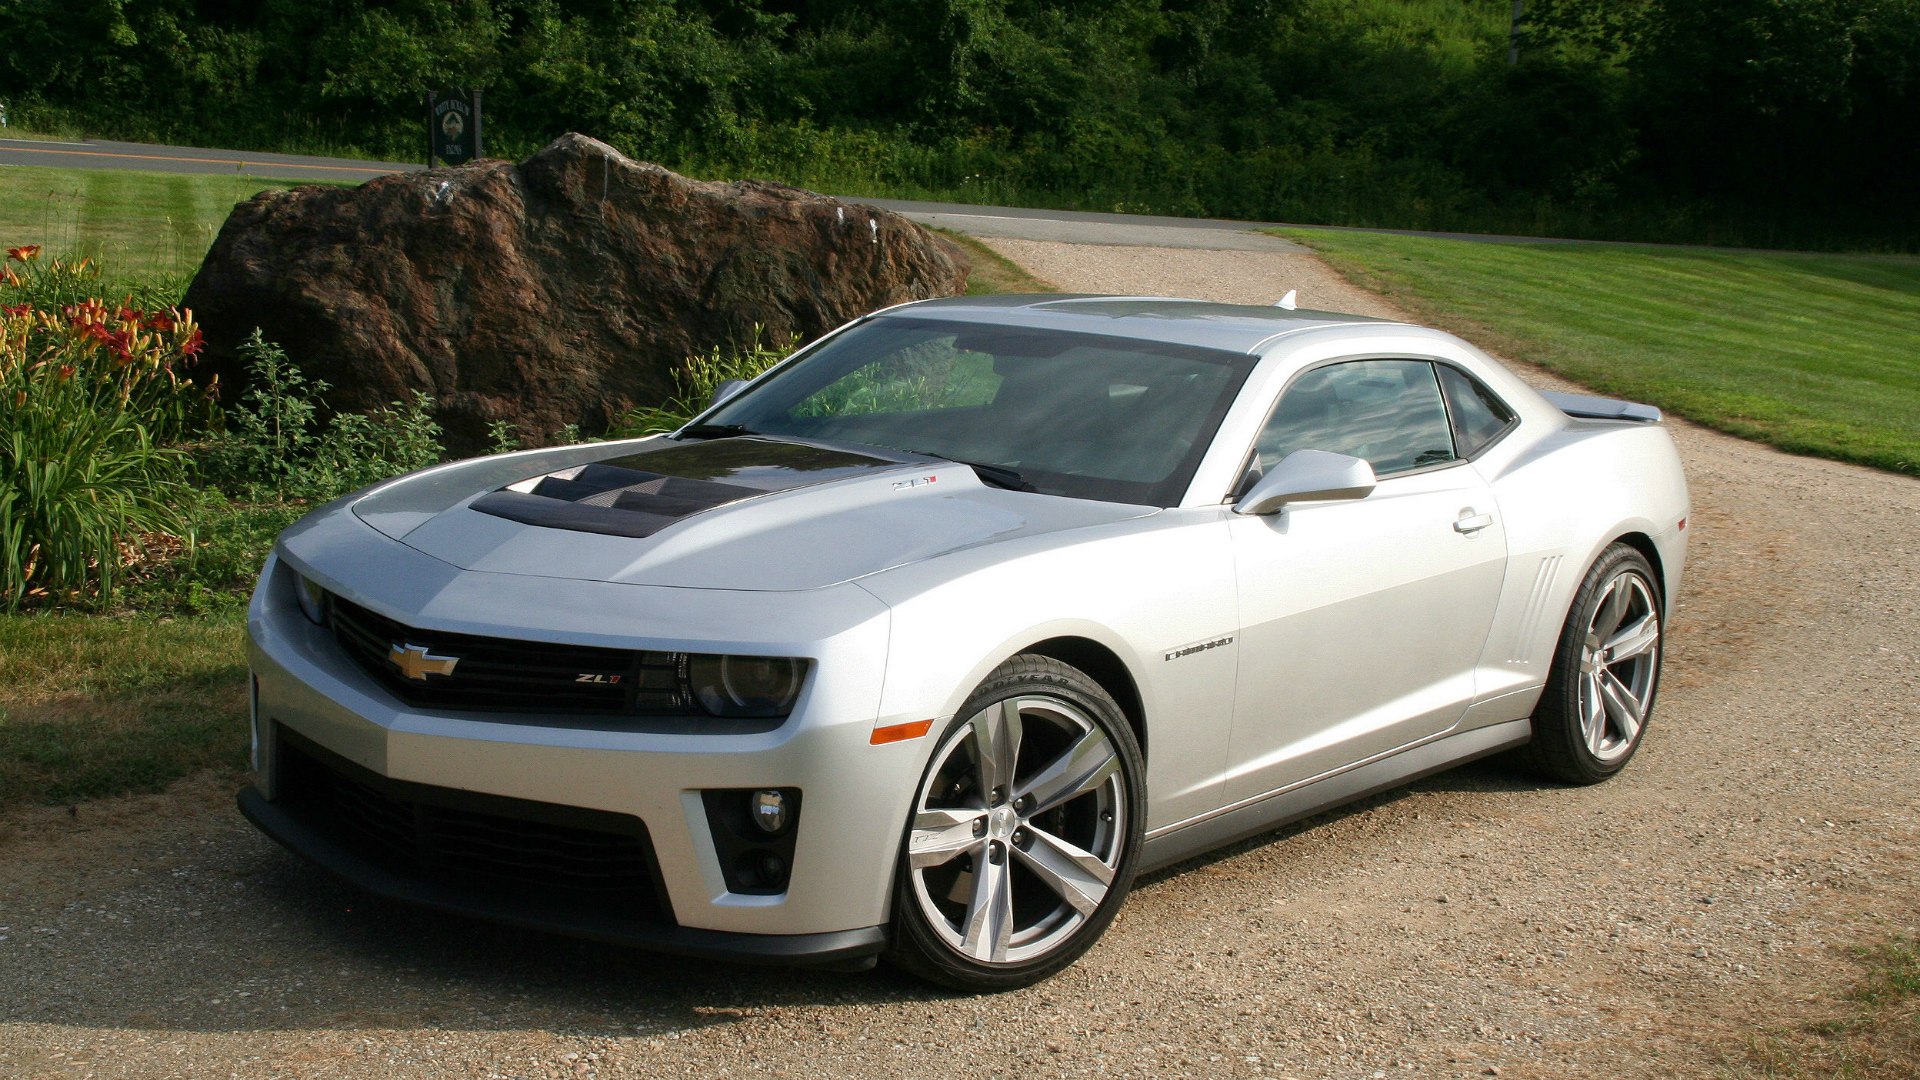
893	733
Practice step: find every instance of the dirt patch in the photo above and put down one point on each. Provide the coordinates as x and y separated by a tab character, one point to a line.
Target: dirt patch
1231	277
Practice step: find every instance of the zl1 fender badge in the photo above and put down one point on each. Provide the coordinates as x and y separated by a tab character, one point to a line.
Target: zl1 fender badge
1199	647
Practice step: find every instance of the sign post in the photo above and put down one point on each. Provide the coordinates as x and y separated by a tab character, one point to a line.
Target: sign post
453	126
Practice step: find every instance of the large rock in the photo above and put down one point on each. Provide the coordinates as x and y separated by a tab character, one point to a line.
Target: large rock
564	289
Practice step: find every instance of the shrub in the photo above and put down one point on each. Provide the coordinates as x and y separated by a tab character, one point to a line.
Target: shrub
501	438
362	449
274	446
268	434
91	397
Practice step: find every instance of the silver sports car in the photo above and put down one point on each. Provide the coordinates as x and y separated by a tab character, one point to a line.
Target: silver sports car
930	639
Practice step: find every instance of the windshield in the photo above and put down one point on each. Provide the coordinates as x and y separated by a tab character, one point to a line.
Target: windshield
1080	415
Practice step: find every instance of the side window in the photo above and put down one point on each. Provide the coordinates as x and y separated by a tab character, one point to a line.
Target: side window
1478	416
1388	412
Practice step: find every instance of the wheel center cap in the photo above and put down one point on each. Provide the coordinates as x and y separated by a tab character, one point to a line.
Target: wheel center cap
1001	822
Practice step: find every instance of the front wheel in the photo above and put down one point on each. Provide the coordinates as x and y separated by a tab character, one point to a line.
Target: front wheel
1599	693
1025	831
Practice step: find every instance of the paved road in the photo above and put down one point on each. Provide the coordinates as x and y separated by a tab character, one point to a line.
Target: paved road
143	157
1059	225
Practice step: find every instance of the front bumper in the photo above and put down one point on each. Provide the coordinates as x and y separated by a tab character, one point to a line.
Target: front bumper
841	949
836	900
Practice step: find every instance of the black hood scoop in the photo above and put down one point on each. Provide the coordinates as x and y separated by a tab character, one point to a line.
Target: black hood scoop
639	494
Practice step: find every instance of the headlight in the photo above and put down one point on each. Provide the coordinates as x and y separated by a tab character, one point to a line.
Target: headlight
748	686
312	598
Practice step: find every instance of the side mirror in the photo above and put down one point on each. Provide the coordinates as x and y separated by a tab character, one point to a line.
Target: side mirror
1308	476
726	390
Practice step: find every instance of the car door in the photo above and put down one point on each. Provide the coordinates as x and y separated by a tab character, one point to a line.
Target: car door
1361	621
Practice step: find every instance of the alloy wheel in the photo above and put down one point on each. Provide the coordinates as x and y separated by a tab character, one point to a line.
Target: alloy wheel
1018	830
1618	665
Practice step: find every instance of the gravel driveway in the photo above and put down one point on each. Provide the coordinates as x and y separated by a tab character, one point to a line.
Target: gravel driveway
1473	924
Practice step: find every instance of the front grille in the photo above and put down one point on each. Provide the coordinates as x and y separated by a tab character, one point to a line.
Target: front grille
560	856
503	674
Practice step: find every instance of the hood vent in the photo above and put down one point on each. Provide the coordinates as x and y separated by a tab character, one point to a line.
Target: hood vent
639	494
608	499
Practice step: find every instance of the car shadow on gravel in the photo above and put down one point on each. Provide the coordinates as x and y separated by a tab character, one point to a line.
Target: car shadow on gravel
456	972
1494	774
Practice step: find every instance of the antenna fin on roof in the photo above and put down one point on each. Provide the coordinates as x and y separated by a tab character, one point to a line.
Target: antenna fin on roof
1288	301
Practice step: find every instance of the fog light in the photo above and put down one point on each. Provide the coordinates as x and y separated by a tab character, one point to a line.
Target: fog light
769	811
773	870
755	832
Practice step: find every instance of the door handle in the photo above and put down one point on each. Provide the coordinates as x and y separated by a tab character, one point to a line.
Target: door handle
1470	522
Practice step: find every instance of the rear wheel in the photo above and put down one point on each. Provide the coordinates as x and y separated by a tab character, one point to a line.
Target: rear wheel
1600	690
1025	831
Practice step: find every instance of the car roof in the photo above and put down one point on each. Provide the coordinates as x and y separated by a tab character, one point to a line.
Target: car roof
1241	328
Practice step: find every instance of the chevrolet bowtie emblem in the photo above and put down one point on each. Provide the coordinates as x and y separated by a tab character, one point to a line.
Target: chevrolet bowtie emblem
415	662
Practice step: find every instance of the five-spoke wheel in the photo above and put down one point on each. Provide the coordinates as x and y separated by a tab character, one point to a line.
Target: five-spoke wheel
1024	830
1600	690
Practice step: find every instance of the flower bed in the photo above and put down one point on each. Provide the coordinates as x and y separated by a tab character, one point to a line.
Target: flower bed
94	400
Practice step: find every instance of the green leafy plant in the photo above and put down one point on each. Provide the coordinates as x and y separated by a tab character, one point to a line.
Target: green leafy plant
91	400
697	378
269	434
275	446
366	448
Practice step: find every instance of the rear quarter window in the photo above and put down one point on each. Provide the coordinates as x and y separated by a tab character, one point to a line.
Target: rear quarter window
1478	415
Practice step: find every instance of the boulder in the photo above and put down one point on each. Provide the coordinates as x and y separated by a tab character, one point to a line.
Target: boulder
564	289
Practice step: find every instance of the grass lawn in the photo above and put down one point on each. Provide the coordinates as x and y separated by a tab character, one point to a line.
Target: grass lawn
1873	1031
1817	354
93	706
142	225
993	272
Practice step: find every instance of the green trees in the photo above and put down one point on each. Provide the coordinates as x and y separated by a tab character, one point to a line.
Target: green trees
1782	110
1754	121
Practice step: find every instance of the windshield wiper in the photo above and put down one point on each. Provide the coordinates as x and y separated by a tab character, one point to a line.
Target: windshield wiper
715	431
997	475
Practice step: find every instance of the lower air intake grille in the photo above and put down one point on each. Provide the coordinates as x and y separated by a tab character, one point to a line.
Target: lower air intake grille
561	856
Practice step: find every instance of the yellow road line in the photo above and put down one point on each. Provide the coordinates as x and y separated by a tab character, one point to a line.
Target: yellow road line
209	161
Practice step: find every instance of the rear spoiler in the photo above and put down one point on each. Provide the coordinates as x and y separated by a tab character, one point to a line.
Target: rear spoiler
1600	408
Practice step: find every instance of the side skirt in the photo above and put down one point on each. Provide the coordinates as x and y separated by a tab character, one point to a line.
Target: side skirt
1291	804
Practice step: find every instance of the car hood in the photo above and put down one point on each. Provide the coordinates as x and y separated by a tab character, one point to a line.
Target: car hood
751	513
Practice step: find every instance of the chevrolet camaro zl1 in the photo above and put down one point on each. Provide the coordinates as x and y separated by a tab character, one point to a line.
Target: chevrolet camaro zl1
927	641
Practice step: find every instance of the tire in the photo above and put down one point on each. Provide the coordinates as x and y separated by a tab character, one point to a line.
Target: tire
1606	670
1040	781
